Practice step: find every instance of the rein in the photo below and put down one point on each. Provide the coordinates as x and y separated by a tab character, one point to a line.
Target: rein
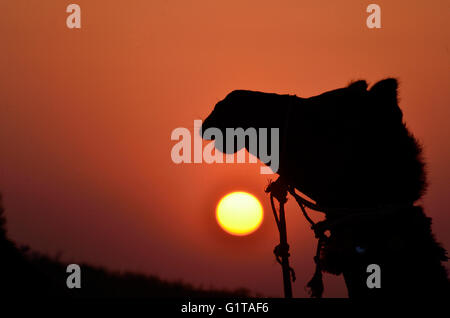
279	190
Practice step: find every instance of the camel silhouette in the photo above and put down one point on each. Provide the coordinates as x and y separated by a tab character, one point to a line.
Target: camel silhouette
350	151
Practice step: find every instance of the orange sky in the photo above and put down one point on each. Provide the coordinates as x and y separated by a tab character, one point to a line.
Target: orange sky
86	117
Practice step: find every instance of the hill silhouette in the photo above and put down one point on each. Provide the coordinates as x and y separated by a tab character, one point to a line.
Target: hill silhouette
25	273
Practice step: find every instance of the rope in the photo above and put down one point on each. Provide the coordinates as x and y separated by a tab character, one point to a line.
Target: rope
279	190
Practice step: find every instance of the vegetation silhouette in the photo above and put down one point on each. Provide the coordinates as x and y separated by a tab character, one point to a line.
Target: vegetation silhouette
350	151
25	274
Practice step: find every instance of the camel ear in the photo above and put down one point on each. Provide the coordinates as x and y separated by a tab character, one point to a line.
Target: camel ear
386	90
358	85
385	96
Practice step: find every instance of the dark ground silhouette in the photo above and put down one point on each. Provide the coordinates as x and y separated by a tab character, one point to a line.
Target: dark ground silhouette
25	274
350	151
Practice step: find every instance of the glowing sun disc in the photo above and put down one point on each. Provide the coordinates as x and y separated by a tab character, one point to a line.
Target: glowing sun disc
239	213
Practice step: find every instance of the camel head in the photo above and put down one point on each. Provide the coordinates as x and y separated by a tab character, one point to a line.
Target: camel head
347	147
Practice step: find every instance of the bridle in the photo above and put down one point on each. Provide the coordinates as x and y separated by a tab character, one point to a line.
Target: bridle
279	190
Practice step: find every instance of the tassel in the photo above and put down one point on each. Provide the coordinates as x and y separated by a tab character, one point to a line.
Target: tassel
315	285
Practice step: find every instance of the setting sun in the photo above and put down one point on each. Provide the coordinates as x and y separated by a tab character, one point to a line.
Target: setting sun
239	213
